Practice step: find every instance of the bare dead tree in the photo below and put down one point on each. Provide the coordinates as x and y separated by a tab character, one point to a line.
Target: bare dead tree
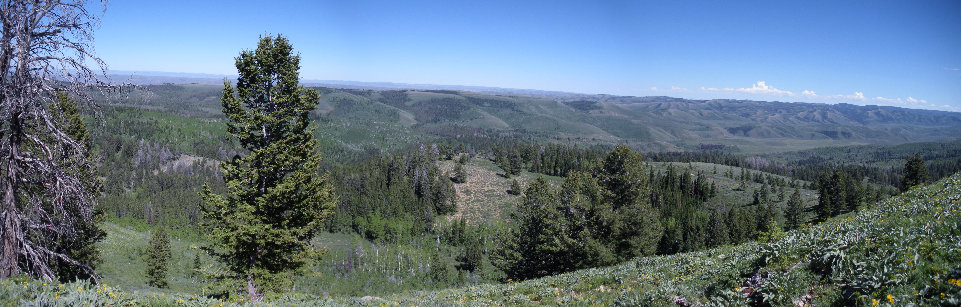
45	47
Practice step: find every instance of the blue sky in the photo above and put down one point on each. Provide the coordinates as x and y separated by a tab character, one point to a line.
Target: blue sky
900	53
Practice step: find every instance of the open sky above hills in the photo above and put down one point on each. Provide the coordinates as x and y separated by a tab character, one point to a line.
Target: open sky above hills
881	52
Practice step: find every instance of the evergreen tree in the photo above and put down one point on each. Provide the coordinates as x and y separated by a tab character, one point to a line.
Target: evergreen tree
276	198
637	230
830	195
158	258
440	268
718	233
460	175
196	267
514	162
82	247
537	248
795	210
915	172
515	188
473	255
621	174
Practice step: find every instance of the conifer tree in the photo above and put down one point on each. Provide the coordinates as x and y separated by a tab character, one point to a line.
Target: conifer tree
638	230
795	208
460	175
915	172
158	258
539	245
515	187
81	247
276	196
473	255
718	233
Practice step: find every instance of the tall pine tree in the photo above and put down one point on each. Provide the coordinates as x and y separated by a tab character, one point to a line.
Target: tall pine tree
637	231
158	258
81	247
915	172
276	197
795	210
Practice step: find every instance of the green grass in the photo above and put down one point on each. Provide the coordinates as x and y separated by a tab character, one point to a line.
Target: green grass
903	251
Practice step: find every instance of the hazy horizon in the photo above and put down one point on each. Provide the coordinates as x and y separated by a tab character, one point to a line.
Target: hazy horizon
881	53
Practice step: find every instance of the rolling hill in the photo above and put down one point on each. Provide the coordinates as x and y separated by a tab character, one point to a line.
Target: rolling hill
362	118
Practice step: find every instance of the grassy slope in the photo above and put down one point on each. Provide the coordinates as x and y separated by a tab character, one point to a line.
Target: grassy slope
904	250
484	197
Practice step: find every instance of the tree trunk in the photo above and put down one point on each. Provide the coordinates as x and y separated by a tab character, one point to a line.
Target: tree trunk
10	231
252	292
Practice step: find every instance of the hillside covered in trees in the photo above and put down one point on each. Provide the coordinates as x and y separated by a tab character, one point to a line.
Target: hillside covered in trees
265	190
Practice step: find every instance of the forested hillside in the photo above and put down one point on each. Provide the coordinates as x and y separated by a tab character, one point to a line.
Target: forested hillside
426	198
266	189
361	121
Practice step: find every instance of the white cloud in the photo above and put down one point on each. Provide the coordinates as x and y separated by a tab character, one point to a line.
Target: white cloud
675	88
889	100
855	96
654	88
761	87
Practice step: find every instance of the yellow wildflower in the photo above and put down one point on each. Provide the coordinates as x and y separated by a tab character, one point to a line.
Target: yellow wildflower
890	299
874	302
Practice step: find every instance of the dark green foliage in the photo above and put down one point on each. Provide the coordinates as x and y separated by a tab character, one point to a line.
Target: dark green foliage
460	174
158	258
584	224
538	246
195	268
795	210
473	255
440	269
82	247
515	188
514	163
392	197
718	233
276	199
622	175
680	198
548	159
740	224
839	193
914	172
